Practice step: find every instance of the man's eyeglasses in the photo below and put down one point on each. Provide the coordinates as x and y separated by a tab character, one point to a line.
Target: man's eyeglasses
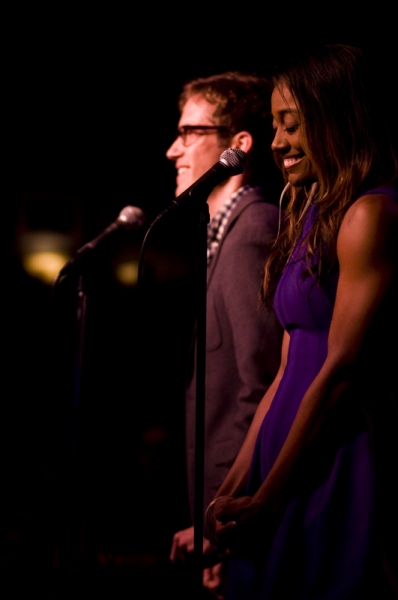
190	133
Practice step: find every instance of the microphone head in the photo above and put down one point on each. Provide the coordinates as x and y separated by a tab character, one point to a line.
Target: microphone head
131	217
234	159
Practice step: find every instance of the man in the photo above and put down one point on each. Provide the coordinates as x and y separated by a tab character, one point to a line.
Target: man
230	110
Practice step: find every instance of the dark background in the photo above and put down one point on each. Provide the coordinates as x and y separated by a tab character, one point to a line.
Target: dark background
91	463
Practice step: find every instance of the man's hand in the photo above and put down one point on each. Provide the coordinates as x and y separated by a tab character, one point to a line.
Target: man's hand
182	548
214	580
182	551
182	545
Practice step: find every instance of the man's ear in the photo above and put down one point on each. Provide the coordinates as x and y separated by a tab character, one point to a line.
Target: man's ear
242	140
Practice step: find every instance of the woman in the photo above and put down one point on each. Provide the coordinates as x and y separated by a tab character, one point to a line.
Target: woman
309	508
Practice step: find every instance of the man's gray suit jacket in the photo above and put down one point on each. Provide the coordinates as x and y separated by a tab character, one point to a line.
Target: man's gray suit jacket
243	343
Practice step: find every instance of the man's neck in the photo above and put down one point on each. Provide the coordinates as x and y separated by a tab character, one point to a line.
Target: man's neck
222	192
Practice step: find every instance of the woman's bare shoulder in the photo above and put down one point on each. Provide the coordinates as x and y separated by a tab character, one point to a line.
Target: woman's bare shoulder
371	212
370	225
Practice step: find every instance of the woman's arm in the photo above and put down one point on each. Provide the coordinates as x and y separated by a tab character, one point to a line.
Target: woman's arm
367	254
235	482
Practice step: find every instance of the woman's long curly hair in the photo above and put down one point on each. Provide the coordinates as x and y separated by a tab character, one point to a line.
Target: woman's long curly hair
345	135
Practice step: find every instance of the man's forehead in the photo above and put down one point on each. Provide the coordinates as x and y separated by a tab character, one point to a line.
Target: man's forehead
197	110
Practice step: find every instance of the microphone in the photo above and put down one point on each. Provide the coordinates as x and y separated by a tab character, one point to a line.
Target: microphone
232	162
130	217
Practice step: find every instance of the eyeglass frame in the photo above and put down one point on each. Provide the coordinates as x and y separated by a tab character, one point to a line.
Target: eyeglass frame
192	128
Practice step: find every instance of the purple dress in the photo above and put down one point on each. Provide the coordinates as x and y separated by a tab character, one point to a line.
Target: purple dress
325	545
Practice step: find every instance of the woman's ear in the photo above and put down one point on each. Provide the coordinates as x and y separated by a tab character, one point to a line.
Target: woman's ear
242	140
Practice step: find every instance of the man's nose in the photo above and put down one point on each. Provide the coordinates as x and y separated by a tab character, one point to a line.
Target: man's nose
174	150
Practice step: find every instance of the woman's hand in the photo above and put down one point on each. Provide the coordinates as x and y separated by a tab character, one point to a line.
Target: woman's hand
238	524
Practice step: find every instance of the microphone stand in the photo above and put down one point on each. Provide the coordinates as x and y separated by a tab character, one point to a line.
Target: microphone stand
201	305
75	474
72	533
204	218
81	319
